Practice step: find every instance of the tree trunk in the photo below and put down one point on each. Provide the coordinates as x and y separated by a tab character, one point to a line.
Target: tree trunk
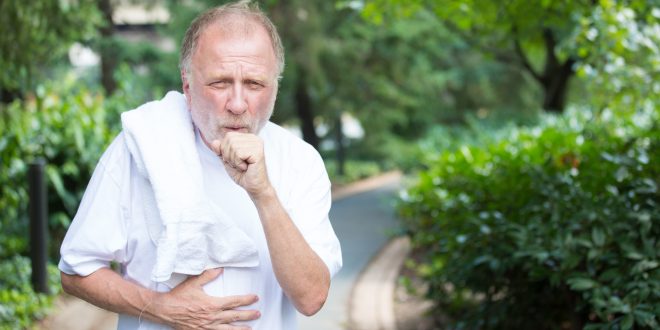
555	88
304	111
555	76
107	50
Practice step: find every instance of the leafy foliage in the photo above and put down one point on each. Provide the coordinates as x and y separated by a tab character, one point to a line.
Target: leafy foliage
554	226
619	44
416	74
40	32
70	131
537	37
69	126
19	304
544	226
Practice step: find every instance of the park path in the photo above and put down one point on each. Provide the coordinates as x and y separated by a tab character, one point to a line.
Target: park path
363	218
364	222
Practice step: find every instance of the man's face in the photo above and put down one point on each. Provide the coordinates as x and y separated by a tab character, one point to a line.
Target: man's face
232	82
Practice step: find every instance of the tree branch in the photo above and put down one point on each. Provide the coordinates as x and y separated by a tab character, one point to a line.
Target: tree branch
551	61
523	58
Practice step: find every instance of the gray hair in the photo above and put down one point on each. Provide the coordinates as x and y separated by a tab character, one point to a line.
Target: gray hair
244	9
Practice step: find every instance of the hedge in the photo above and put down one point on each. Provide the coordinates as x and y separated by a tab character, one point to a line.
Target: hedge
556	226
69	126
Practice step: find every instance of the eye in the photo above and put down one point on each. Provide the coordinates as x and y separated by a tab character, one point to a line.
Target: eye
224	83
254	85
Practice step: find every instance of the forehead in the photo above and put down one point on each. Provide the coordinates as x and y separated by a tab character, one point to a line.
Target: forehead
235	40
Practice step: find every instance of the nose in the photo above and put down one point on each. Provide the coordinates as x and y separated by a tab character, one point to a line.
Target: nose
237	103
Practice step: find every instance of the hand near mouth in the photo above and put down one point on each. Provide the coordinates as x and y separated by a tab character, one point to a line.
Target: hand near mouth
243	156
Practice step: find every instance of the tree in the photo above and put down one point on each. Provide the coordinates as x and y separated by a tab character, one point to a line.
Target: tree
107	47
531	35
408	75
114	50
40	33
619	42
303	27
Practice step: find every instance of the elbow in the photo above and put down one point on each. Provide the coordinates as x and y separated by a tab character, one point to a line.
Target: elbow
67	284
313	303
70	284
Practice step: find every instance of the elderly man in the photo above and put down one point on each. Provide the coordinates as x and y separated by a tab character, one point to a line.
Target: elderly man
269	248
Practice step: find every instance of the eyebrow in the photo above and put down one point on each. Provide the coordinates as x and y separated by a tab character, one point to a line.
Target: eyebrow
260	77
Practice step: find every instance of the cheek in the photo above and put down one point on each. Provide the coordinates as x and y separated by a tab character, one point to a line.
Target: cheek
209	101
263	102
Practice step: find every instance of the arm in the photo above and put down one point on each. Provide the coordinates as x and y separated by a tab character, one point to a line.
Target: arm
301	273
185	307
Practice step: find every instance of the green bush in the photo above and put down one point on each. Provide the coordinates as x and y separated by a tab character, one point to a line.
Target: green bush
551	227
19	304
69	126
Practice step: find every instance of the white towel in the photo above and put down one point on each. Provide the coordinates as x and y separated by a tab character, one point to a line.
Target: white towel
191	234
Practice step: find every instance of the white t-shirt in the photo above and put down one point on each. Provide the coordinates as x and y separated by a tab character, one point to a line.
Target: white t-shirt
110	225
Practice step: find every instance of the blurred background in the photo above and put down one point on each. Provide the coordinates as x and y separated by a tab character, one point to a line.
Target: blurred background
528	131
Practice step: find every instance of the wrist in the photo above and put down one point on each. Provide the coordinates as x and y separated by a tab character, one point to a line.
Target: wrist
263	195
155	308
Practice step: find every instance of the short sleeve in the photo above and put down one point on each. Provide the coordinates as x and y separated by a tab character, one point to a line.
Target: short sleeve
309	209
98	234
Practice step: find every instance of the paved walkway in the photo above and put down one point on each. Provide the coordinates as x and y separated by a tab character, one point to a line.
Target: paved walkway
363	222
363	218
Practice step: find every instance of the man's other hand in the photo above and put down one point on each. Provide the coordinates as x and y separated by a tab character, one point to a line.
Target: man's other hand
187	306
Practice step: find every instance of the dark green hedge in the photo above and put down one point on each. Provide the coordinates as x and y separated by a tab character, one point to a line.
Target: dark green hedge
69	126
20	306
70	131
551	227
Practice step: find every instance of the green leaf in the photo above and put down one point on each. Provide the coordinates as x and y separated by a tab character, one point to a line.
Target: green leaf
78	137
598	236
643	317
627	322
634	256
56	179
581	283
610	275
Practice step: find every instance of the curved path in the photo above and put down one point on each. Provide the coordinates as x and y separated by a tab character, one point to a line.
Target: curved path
364	222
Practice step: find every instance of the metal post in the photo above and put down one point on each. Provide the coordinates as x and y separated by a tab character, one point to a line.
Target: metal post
340	150
38	226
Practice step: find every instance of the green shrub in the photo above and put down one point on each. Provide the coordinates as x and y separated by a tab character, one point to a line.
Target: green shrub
69	126
66	128
19	304
551	227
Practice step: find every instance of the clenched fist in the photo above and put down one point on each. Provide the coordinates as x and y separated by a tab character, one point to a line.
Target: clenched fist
243	156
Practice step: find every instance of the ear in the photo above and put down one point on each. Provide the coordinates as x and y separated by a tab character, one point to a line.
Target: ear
185	81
